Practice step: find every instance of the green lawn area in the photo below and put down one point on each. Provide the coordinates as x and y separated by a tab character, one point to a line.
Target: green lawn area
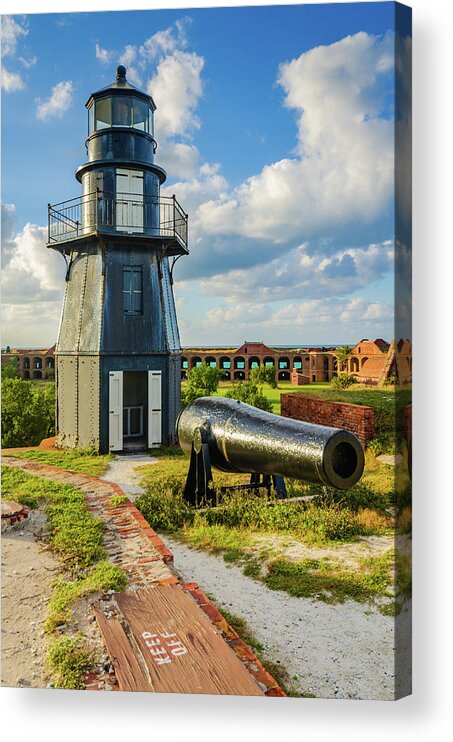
84	461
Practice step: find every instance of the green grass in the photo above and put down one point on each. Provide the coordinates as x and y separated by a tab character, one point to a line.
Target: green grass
80	460
319	579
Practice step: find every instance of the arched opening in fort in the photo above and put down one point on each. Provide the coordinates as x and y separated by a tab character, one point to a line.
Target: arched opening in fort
354	365
27	364
225	362
239	363
37	374
184	363
196	361
183	375
284	376
50	363
26	374
227	375
239	375
365	358
269	361
297	363
211	361
283	362
254	362
37	363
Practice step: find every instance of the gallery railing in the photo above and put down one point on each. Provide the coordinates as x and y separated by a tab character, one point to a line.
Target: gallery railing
160	217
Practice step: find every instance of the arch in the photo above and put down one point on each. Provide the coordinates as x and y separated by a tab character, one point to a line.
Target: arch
183	374
269	361
284	376
239	362
239	375
313	361
50	363
365	358
195	361
354	365
225	362
37	363
254	362
37	374
283	362
227	375
26	374
211	361
325	363
27	363
297	363
184	362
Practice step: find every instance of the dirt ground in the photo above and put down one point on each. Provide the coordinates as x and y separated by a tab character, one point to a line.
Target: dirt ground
28	570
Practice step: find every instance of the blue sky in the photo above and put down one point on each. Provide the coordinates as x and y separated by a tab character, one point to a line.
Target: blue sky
275	125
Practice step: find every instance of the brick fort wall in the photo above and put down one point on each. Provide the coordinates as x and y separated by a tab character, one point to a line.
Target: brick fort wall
356	418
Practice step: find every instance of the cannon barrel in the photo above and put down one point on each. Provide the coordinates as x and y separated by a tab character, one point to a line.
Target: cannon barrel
244	439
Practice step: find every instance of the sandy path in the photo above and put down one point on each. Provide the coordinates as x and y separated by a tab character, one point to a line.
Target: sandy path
27	573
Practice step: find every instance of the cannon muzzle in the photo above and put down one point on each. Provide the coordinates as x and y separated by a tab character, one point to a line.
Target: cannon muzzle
243	439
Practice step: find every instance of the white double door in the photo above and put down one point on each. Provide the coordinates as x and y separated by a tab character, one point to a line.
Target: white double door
116	409
129	200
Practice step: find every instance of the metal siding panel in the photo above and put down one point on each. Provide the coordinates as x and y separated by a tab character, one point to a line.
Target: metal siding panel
67	424
91	307
89	402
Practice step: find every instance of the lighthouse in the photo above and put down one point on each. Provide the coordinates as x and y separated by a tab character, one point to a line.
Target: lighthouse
118	356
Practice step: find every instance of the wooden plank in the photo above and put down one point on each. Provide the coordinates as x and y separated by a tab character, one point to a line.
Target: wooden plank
183	651
128	672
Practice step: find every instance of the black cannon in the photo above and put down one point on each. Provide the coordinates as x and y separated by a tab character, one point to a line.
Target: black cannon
235	437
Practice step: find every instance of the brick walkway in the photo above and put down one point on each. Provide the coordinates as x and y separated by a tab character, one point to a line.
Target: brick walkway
135	547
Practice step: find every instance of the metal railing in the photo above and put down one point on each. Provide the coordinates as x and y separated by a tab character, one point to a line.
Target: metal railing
160	217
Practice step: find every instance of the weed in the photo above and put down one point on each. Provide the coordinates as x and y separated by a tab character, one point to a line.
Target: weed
118	500
69	659
101	577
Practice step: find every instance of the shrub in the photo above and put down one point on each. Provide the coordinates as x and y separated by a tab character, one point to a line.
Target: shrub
28	412
163	504
202	381
342	381
249	392
264	375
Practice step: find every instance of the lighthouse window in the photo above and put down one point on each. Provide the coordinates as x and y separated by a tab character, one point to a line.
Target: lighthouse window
91	119
103	113
140	115
132	289
121	111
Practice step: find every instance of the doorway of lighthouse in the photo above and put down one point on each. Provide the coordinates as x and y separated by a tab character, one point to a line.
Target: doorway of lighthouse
135	410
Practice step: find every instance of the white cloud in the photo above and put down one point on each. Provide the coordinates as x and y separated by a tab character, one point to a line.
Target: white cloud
343	169
104	55
32	284
177	87
11	31
167	41
314	316
27	63
11	81
58	102
298	273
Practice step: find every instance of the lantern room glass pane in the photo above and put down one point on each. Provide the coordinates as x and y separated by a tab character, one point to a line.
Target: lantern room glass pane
140	115
103	113
121	111
91	119
151	122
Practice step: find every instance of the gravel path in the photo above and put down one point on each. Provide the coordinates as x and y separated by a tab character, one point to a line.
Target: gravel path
333	651
125	471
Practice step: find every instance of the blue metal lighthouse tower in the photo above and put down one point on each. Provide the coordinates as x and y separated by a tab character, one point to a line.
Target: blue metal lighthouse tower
118	351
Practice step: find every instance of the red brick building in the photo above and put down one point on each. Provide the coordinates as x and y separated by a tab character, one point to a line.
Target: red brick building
373	362
33	364
317	364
